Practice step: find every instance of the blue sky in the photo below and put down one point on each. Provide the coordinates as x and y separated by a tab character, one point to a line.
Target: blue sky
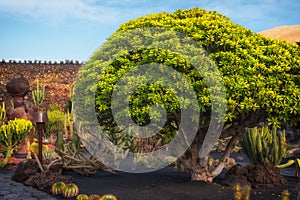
73	29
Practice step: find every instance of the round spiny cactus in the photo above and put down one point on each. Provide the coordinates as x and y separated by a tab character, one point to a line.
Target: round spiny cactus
82	197
57	188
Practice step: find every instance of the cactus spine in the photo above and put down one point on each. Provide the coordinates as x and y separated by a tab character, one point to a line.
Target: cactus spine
263	145
38	95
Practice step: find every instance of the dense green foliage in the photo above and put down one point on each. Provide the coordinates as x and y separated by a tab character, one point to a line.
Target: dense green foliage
260	75
15	131
11	134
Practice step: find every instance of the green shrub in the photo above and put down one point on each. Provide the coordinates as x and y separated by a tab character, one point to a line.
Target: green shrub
11	134
54	107
260	75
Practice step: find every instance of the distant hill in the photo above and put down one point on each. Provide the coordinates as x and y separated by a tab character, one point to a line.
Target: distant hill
289	33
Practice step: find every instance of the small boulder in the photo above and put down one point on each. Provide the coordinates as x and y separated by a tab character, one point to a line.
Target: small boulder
18	87
25	169
44	180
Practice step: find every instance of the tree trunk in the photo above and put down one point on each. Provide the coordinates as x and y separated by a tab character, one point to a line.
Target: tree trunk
200	170
199	167
203	169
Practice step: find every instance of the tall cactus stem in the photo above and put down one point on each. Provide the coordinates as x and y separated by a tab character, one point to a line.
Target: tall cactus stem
38	95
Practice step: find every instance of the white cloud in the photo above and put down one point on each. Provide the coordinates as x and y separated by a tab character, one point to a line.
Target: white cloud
251	13
54	11
91	10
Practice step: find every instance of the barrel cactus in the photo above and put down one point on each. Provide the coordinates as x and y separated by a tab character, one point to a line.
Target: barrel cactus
82	197
108	197
57	188
70	190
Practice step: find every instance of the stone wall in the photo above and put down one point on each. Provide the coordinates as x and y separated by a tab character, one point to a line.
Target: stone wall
57	77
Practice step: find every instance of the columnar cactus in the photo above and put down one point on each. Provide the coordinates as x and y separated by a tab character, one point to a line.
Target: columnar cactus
38	95
52	127
263	145
2	114
60	139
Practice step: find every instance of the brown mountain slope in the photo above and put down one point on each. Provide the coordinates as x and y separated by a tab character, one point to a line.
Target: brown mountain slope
289	33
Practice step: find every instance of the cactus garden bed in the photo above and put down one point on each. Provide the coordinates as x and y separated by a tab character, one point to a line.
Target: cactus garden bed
168	184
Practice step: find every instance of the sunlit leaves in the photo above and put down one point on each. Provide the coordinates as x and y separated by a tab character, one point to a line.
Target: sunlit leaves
258	73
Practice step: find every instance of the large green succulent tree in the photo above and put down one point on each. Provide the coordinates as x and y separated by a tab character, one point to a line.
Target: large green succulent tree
260	76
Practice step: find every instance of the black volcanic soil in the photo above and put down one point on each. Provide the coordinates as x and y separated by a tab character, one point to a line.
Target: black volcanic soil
166	184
